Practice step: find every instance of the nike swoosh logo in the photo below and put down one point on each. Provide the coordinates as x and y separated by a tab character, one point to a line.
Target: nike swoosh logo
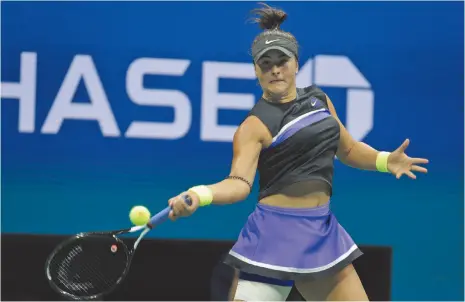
313	102
268	42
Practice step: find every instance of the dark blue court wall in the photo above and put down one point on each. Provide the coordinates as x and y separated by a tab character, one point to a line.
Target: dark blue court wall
106	105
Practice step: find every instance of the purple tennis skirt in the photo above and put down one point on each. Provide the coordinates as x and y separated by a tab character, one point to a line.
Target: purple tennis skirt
292	244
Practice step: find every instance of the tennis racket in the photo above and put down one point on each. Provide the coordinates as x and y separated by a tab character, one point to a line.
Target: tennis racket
90	265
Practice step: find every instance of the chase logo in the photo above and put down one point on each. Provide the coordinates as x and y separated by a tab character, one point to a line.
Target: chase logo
322	70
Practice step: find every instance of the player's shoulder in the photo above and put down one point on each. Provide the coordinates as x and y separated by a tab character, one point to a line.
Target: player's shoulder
312	91
252	128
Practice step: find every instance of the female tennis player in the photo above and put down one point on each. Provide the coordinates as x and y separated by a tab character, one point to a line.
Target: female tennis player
291	137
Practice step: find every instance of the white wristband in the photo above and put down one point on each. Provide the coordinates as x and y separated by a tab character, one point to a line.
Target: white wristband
204	193
382	161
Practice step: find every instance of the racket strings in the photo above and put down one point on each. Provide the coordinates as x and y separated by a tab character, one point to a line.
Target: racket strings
66	267
89	270
89	265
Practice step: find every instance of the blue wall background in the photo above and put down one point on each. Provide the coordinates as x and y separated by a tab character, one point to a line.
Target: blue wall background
78	180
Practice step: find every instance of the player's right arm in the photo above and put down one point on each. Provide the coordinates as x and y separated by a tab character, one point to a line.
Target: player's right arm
247	145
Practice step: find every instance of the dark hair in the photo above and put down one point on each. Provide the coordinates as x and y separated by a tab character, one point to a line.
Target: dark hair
270	19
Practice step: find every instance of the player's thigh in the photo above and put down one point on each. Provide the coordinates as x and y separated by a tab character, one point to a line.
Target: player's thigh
247	290
343	286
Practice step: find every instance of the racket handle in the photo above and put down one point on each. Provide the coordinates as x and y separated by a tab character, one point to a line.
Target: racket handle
162	216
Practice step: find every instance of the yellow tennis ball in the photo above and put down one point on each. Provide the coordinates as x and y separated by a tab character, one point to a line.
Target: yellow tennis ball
139	215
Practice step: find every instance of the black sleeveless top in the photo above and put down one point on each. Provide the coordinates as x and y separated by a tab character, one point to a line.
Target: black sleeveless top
305	141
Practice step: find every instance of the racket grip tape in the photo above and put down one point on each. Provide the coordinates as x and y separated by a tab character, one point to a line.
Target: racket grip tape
163	215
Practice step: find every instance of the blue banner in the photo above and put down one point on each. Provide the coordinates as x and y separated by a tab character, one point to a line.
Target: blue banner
106	105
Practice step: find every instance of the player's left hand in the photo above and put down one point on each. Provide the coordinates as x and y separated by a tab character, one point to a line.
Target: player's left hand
399	163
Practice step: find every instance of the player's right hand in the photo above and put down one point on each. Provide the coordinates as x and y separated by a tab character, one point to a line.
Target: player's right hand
179	207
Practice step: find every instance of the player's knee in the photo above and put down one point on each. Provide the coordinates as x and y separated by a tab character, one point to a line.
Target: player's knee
257	291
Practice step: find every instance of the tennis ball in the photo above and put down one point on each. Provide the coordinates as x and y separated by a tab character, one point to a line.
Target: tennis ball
139	215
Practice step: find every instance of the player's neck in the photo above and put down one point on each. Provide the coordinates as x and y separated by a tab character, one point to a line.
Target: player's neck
288	97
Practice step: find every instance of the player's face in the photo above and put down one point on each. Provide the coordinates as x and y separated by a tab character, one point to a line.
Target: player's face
276	73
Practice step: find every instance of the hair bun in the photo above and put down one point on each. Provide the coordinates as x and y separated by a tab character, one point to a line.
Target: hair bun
269	18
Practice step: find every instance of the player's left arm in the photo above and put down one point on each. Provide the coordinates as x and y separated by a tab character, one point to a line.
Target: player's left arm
362	156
